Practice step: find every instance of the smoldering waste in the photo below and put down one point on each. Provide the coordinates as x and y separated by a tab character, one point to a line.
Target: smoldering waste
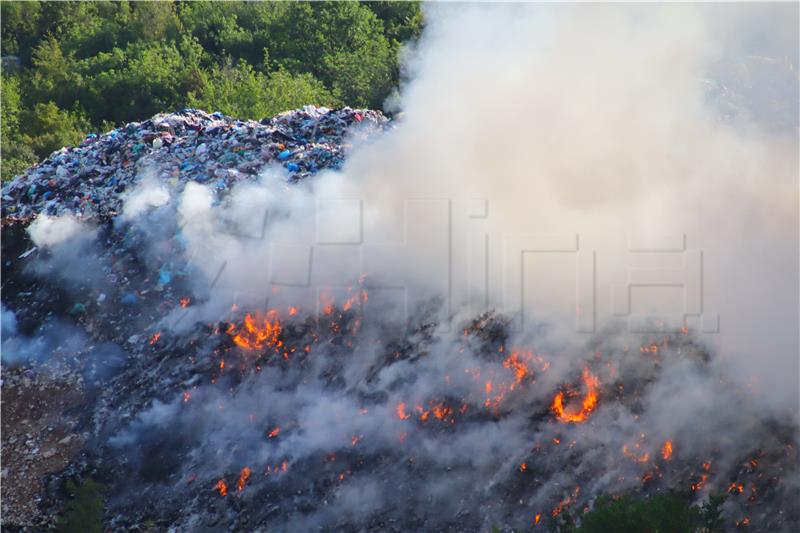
298	419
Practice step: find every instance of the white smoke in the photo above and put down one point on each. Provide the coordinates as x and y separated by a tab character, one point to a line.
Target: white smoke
593	124
47	231
592	137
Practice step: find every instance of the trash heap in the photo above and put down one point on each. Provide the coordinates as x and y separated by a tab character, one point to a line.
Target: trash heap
192	145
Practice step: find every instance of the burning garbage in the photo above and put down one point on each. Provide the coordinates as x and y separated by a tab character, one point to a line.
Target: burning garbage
213	369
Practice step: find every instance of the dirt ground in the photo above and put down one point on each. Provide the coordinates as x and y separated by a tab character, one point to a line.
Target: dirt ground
37	438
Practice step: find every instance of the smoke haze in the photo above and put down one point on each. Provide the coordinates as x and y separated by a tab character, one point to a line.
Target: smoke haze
577	170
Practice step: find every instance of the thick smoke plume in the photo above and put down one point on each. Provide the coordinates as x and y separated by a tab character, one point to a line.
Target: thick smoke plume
546	159
594	124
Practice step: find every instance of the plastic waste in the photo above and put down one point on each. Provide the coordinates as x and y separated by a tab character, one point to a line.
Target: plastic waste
88	181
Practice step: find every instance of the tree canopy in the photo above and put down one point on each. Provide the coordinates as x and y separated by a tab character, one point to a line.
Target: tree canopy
74	67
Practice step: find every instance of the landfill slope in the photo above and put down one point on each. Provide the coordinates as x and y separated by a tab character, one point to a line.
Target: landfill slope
53	331
325	417
87	180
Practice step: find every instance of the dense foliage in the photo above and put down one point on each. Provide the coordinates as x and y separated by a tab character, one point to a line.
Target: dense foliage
661	513
72	67
84	509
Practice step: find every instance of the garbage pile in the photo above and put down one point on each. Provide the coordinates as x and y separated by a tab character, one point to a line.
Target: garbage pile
291	419
192	145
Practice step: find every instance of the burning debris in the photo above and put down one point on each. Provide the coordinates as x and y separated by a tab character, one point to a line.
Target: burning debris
204	394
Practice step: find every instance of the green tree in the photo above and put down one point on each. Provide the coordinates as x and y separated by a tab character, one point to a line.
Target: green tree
342	44
19	27
661	513
84	510
242	92
15	156
48	128
121	61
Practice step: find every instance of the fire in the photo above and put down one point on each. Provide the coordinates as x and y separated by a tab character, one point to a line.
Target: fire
292	311
401	411
523	467
588	404
222	487
537	519
700	483
257	332
521	363
519	367
186	396
439	410
736	488
274	433
643	458
243	476
155	337
184	302
327	303
666	450
566	502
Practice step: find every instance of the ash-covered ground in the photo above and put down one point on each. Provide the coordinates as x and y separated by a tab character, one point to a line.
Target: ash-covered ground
332	417
225	326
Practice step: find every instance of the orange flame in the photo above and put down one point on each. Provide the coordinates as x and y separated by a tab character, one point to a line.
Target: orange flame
184	302
566	502
520	362
274	433
736	488
401	411
243	475
222	487
666	450
701	483
588	404
155	337
257	332
643	458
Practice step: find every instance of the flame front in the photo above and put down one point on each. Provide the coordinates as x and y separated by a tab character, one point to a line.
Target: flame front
401	411
243	476
588	404
666	450
258	332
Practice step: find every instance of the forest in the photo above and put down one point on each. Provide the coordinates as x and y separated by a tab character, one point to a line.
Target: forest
70	68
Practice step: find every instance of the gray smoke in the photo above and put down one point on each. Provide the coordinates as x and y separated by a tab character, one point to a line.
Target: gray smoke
584	136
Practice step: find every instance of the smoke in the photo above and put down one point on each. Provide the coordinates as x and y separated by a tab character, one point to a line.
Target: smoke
577	169
578	135
51	231
148	194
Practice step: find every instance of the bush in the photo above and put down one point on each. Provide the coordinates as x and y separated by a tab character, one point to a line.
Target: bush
662	513
84	510
87	64
244	93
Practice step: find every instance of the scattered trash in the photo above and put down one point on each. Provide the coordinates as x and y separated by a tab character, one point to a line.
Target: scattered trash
192	145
